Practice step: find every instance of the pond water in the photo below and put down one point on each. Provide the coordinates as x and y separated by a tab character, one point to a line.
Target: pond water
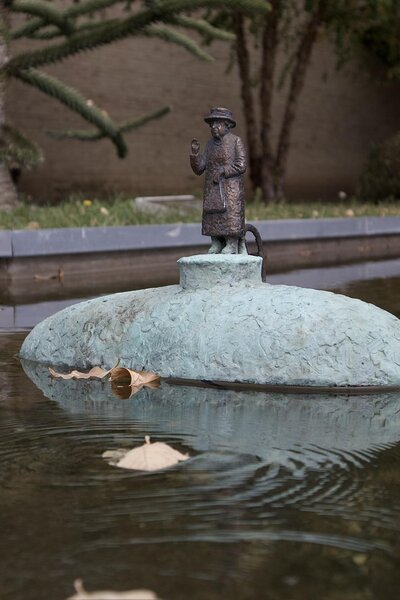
283	498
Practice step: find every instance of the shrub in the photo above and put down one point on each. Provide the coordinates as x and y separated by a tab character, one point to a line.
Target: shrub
381	176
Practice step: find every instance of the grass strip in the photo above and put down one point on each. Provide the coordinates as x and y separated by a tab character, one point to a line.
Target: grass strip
79	210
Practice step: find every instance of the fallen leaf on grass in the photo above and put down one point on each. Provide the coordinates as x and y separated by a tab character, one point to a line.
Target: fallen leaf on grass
360	559
148	457
82	594
97	372
32	225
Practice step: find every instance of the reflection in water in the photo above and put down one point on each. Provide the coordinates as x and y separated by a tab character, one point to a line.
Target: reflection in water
385	293
330	429
295	495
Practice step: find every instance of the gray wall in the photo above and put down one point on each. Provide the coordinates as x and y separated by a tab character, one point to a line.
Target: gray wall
340	114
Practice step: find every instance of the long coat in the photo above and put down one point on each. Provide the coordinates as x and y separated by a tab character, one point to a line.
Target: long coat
223	203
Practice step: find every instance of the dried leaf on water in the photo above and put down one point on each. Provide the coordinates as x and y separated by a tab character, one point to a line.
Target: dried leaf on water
126	376
97	372
59	276
114	456
119	377
82	594
148	457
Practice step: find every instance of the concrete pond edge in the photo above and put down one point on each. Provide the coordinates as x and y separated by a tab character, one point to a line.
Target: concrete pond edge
82	240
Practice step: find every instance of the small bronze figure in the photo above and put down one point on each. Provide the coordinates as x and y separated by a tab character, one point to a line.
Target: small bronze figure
224	163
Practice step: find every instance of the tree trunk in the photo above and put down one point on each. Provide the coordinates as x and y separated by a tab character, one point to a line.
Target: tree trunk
243	59
297	80
269	47
8	193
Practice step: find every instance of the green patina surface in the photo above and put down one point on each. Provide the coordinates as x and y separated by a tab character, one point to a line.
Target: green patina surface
223	323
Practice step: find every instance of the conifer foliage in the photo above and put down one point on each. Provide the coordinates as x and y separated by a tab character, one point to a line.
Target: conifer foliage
65	28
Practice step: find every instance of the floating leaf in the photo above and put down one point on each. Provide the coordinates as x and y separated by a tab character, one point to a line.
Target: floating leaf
114	456
82	594
97	372
148	457
125	382
125	376
59	275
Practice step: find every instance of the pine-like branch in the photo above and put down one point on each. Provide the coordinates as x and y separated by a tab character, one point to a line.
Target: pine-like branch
209	32
163	11
73	99
19	152
201	26
125	127
52	33
47	34
49	14
160	31
77	10
170	35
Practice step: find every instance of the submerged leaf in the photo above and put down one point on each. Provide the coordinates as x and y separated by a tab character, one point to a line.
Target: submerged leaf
97	372
82	594
148	457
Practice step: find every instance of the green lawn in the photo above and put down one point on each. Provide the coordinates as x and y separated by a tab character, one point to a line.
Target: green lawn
79	211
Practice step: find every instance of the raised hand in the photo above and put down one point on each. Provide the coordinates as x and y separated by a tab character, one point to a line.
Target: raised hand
195	146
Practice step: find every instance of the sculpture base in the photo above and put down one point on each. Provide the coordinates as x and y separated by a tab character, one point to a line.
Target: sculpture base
223	324
210	270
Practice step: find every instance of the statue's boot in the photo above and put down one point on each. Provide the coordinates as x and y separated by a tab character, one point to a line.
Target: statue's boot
231	246
216	246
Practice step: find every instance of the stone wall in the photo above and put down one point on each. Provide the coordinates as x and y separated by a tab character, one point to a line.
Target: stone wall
339	115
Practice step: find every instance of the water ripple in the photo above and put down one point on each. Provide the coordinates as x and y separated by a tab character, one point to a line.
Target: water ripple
264	471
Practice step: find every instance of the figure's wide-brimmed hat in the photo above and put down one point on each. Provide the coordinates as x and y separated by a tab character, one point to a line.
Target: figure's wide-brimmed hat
221	113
